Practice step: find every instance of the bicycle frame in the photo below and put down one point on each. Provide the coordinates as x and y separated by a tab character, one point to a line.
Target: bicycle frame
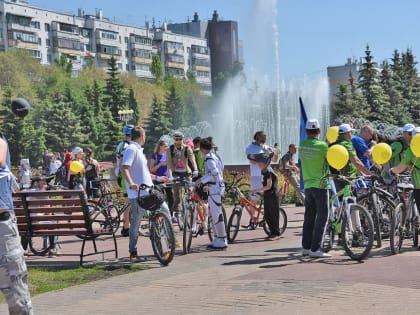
250	207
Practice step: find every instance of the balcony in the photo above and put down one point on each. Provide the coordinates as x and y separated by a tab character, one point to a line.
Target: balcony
68	51
66	35
140	60
19	27
201	68
23	45
106	56
175	65
143	74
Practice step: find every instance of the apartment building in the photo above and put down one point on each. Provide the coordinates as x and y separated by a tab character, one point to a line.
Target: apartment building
84	38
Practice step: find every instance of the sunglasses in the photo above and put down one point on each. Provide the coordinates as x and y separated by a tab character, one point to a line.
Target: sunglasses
178	139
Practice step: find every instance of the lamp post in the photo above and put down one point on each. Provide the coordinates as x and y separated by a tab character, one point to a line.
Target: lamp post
125	115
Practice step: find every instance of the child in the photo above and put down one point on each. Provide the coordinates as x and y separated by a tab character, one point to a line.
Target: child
271	196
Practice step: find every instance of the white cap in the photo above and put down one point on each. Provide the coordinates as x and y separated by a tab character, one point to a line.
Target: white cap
408	128
25	162
343	128
415	131
312	124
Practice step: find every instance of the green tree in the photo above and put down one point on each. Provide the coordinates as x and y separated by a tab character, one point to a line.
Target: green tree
342	104
115	97
371	90
132	104
176	108
65	63
156	69
158	124
357	103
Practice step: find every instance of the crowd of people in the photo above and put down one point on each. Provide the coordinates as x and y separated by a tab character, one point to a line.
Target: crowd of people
198	160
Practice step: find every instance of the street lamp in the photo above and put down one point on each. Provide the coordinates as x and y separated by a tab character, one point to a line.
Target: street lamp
125	115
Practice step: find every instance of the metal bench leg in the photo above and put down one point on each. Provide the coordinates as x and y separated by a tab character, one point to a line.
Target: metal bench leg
115	245
94	245
82	252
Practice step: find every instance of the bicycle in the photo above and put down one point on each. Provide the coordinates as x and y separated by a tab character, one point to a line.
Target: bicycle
349	220
404	221
194	219
241	202
379	203
162	234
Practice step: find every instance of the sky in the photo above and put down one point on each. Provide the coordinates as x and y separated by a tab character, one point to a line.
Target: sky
311	34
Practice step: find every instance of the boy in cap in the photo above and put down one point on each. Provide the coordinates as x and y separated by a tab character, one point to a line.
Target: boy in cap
313	154
271	195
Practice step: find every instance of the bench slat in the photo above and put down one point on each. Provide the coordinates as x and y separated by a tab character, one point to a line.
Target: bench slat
60	232
54	225
55	209
55	217
48	193
62	202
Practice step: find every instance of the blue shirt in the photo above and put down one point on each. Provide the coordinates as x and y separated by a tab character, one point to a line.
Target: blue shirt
163	169
361	148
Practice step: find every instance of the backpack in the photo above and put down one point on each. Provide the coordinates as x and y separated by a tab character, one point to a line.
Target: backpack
61	176
90	171
172	149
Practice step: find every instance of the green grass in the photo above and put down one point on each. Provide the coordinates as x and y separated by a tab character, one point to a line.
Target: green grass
52	278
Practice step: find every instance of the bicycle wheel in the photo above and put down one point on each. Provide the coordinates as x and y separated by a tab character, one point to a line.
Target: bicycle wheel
113	217
144	226
188	232
282	223
40	245
162	238
98	219
210	224
396	235
328	239
234	223
180	218
357	231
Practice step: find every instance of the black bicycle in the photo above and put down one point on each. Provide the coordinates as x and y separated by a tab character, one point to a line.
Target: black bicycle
162	234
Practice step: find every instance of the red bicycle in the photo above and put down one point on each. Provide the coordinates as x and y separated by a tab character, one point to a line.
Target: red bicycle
256	214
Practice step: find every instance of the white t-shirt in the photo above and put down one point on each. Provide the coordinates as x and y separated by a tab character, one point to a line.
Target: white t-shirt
54	165
137	162
254	148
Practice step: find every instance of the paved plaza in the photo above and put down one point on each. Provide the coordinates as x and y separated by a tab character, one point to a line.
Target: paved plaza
252	276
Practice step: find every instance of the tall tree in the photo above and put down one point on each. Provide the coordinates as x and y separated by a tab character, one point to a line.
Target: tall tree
132	104
176	108
158	124
114	95
156	69
371	90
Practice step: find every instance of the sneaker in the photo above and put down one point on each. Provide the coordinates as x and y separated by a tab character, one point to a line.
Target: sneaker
273	238
318	254
125	232
218	243
306	252
52	253
133	256
174	219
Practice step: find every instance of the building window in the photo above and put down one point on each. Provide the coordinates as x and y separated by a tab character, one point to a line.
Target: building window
142	53
142	67
126	40
39	41
175	58
34	53
69	28
201	62
68	43
195	49
174	46
25	37
85	33
109	35
47	42
143	40
47	27
203	74
126	53
126	67
36	24
109	50
16	19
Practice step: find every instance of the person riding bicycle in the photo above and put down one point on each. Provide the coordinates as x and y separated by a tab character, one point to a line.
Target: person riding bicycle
399	146
271	195
214	179
291	173
411	163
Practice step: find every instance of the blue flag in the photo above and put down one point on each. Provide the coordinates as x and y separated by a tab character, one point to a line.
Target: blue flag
302	136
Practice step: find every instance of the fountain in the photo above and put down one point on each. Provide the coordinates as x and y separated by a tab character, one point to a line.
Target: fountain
273	108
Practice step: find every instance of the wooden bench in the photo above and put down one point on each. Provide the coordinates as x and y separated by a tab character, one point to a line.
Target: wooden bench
61	213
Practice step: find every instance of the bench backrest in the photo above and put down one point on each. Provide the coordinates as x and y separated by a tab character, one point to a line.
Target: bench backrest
54	212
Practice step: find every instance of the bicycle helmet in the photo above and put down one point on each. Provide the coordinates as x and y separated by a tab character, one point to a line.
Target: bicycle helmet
127	130
75	151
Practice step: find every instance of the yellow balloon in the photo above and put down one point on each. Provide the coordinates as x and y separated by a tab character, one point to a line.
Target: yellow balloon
76	166
415	145
381	153
332	134
337	156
